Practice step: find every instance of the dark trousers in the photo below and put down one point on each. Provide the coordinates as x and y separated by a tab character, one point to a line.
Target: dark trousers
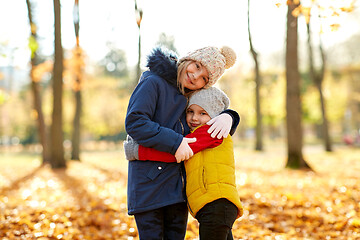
167	223
216	220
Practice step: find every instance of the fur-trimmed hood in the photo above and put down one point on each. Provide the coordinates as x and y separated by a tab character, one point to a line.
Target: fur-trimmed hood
163	63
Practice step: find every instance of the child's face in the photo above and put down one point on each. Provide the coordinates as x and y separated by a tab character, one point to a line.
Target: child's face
194	77
196	116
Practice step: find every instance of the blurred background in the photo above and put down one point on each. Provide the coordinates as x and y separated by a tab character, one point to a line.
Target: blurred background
100	49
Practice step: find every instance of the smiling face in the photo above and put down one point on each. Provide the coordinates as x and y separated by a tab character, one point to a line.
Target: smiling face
196	116
195	76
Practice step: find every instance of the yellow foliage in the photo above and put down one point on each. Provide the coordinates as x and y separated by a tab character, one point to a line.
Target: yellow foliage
355	222
326	9
74	69
88	199
33	28
34	114
306	11
38	71
347	9
33	45
334	27
296	12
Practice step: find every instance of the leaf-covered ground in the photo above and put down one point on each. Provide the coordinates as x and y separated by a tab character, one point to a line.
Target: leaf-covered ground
88	200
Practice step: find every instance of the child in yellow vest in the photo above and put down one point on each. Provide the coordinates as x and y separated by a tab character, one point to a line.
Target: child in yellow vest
210	174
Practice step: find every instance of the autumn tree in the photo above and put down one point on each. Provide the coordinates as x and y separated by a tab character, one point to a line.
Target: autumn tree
317	77
138	15
258	129
57	150
317	74
295	157
77	85
35	86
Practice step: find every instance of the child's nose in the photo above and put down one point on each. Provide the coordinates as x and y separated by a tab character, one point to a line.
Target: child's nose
197	75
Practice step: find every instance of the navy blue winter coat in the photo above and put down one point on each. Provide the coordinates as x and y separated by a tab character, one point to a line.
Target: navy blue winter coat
156	118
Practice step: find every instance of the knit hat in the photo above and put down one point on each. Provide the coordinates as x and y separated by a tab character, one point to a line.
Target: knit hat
211	99
215	60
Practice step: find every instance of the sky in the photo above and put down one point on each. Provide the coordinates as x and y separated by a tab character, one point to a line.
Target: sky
192	23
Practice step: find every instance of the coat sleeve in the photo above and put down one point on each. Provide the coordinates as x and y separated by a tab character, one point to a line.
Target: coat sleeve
139	124
203	141
236	119
152	154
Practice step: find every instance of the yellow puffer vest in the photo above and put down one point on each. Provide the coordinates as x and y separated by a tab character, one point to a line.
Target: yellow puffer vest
210	175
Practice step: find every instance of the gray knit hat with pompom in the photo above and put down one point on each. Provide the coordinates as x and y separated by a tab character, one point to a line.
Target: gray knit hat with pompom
211	99
214	59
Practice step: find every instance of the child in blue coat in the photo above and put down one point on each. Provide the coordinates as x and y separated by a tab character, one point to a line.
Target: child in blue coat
156	119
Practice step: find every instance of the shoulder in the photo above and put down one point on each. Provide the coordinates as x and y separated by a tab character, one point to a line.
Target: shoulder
160	59
163	63
151	83
150	88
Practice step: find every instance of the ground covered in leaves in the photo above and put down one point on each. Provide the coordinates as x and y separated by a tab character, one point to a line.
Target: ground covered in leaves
88	199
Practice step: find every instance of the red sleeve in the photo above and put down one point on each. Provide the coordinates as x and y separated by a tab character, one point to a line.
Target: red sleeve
203	141
155	155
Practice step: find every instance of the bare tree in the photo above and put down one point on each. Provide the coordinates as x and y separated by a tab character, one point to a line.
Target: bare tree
293	101
75	152
35	86
57	150
259	140
138	13
318	77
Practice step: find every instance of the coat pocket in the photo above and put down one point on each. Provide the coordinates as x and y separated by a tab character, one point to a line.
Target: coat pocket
155	171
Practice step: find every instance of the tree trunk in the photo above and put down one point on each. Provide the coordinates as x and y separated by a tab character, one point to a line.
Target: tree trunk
75	152
57	149
35	87
293	102
138	69
318	78
258	129
325	123
139	13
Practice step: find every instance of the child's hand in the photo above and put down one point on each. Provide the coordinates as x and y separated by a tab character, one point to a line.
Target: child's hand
184	152
220	126
131	148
